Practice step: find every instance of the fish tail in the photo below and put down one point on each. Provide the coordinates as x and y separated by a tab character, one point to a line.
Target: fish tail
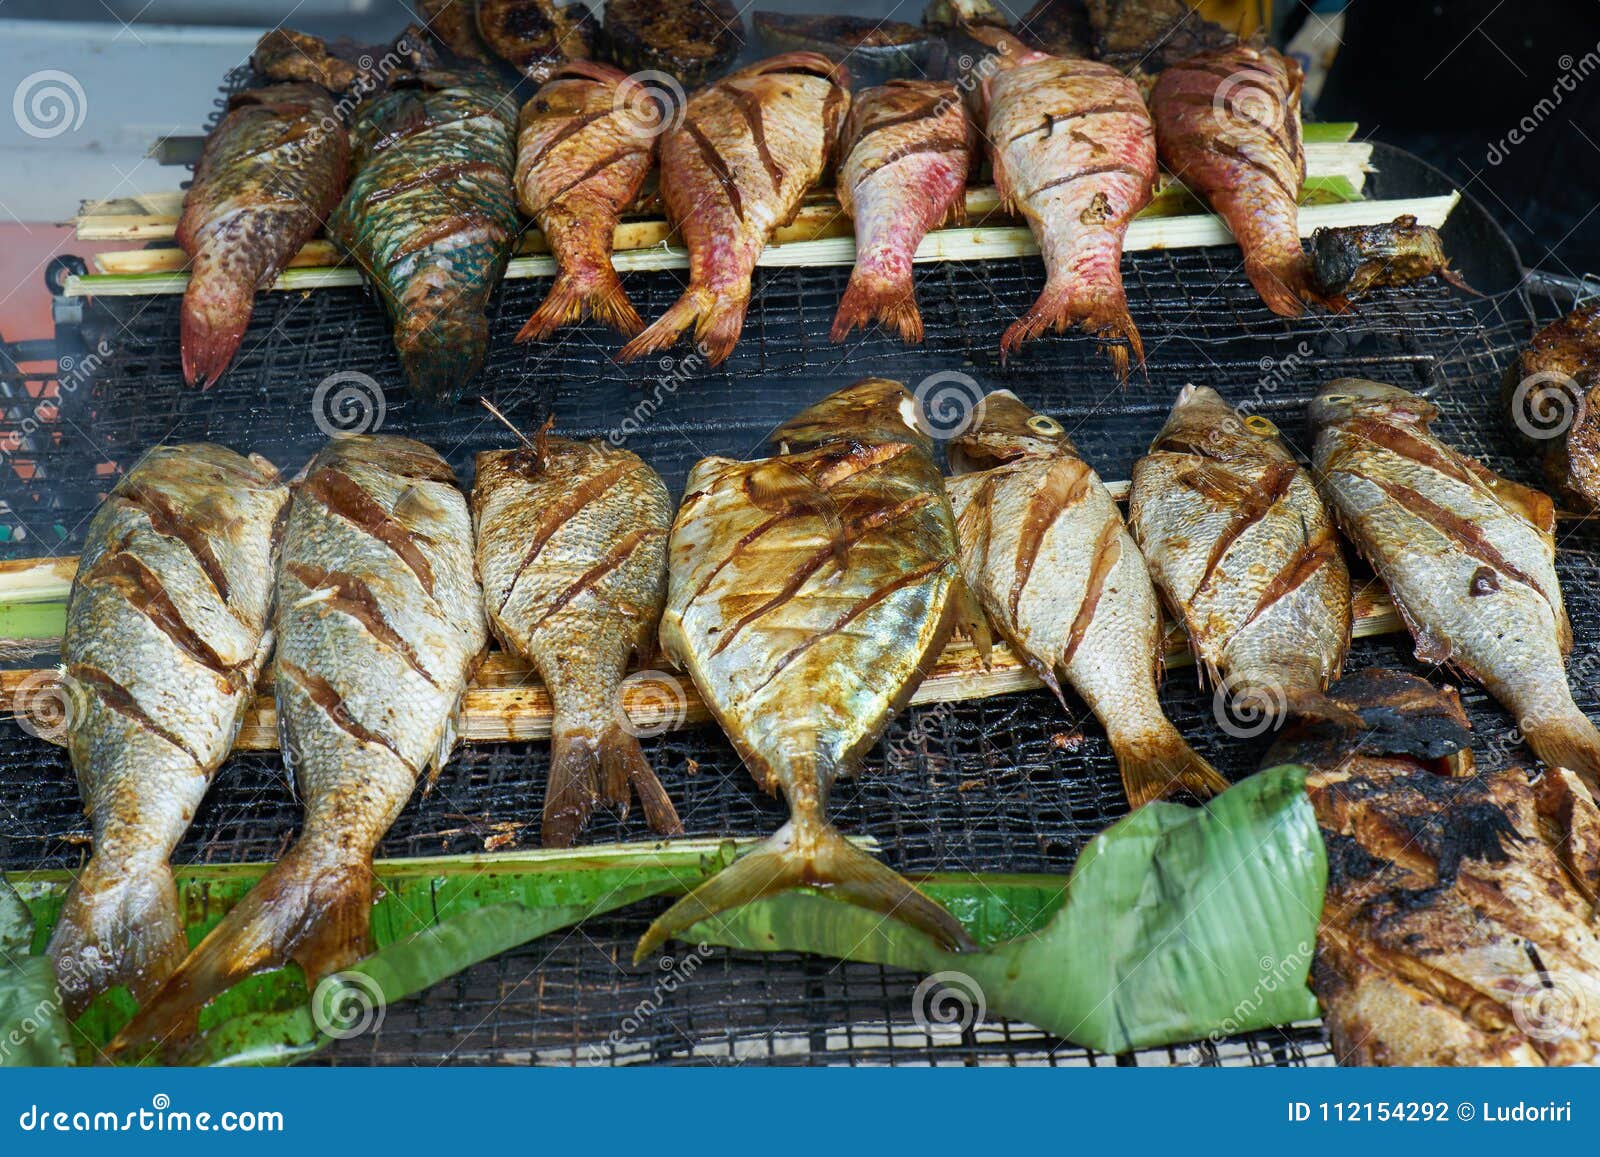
625	771
1161	763
592	291
310	908
875	296
1064	303
441	354
717	317
574	787
814	855
119	925
1566	739
209	331
1282	280
1313	703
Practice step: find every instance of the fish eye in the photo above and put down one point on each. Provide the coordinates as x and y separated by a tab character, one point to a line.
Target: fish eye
1338	399
1042	424
1256	424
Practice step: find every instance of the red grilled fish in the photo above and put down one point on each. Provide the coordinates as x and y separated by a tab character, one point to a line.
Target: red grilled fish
1228	127
735	170
905	172
1074	152
582	153
270	174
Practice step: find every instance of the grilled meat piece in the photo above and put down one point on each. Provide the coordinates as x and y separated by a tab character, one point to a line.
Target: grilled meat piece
1243	550
1151	34
1552	393
1348	261
454	23
1228	125
431	218
270	174
693	41
874	49
340	66
959	14
735	169
379	623
166	632
810	593
1045	549
536	36
1468	556
908	151
572	551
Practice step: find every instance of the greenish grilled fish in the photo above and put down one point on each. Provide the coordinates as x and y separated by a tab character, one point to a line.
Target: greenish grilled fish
572	551
379	624
1468	556
431	217
810	593
166	633
1239	543
1044	547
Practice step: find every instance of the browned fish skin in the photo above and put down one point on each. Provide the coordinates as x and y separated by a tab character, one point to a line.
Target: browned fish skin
810	594
455	24
166	632
1351	259
536	36
1552	395
572	552
270	174
1044	547
582	154
379	624
1239	543
749	148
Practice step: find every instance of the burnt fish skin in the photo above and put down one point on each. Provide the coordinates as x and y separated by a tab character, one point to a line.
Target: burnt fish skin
1241	547
810	594
1468	556
268	177
167	629
1044	547
431	218
379	623
572	552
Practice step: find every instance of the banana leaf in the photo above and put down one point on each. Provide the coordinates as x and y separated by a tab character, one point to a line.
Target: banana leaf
33	1024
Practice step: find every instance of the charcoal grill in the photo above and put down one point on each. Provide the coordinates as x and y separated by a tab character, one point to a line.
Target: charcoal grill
983	786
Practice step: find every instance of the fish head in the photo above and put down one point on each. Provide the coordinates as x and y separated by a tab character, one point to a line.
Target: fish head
1203	423
1340	401
1005	430
872	411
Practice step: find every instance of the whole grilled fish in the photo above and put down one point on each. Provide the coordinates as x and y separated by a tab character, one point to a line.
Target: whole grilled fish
1228	127
1045	549
268	177
572	551
732	172
166	632
1552	396
1239	543
1074	153
909	147
810	593
1468	556
379	623
582	153
431	218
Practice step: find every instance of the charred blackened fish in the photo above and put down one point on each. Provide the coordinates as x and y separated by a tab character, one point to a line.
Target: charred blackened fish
693	41
880	49
431	218
270	174
572	551
1228	124
1349	260
1458	925
909	148
454	23
340	66
1468	556
735	170
1044	547
1074	153
1239	543
810	593
166	633
583	151
537	36
379	623
1552	393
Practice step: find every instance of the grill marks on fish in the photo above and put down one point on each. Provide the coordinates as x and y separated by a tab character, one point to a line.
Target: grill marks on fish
117	697
1064	485
1106	553
1313	556
1254	504
165	518
589	490
343	496
614	558
750	107
144	592
718	166
328	698
350	594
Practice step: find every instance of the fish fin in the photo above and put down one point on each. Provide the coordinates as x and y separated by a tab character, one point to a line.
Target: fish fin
717	318
589	292
119	925
308	908
1062	304
626	772
1310	703
209	336
1162	764
869	297
574	786
779	488
1567	740
1284	284
971	623
823	859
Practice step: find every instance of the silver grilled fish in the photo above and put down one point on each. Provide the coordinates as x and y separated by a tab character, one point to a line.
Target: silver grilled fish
1044	547
166	632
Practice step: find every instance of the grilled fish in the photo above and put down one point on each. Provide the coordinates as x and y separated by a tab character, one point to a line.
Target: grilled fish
1045	549
1228	126
693	41
431	218
270	174
810	593
1552	395
885	49
166	632
572	551
455	24
1241	547
582	154
1468	556
1074	153
537	36
1349	260
736	169
379	623
909	148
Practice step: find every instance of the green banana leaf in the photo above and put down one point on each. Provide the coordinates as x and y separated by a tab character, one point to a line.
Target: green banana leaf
33	1024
